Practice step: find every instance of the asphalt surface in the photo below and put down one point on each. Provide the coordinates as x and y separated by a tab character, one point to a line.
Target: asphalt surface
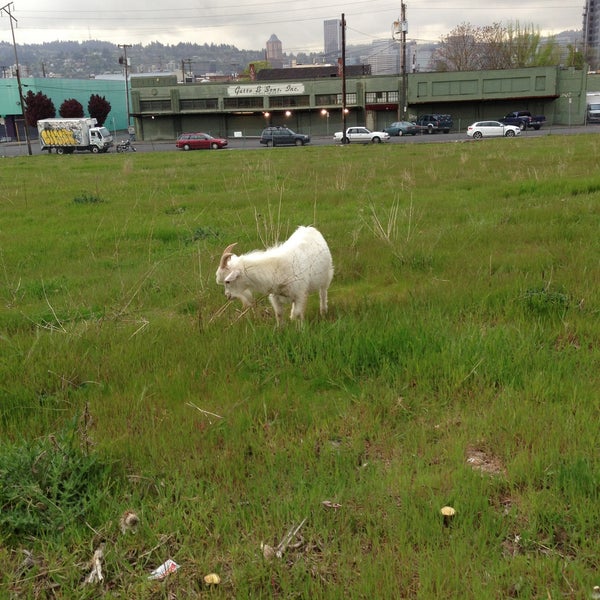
8	149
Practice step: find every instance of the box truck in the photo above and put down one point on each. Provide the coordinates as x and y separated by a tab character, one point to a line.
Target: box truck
65	136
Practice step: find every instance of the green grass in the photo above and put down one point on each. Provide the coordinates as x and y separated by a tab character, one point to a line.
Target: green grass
463	325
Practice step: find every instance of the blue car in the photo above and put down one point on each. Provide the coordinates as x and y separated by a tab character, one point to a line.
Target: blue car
403	128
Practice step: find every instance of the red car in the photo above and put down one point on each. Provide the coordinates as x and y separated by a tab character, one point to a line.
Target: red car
199	141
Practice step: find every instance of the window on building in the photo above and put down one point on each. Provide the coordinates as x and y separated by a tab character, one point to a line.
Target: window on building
329	99
155	105
381	97
288	101
251	102
199	104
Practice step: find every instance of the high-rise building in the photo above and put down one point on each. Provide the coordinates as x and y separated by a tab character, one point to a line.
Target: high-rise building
384	57
591	33
332	39
274	52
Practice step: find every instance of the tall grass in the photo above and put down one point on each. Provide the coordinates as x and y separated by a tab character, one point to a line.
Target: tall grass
458	365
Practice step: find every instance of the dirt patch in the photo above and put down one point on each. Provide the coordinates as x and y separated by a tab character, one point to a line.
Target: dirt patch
485	462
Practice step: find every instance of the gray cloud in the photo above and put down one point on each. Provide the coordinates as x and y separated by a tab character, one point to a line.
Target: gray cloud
248	24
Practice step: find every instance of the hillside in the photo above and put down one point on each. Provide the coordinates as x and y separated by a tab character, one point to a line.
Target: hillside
77	60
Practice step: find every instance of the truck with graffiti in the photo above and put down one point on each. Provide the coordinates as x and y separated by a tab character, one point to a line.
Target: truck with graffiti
65	136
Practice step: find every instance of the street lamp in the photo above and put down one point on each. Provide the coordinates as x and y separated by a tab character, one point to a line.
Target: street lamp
325	113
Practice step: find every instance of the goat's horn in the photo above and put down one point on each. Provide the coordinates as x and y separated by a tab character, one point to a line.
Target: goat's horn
226	254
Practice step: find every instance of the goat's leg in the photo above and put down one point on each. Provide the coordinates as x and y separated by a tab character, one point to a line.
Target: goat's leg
298	307
323	301
277	307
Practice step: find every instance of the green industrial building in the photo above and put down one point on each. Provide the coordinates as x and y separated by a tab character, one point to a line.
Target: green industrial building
310	100
163	108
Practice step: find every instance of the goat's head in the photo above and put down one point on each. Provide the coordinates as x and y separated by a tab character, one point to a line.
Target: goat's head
230	274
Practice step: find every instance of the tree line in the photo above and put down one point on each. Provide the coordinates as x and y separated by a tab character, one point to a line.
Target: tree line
497	46
38	106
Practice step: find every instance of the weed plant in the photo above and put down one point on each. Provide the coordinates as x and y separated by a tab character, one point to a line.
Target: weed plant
458	365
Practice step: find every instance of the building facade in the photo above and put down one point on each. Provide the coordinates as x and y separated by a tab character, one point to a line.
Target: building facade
332	40
310	100
591	33
384	57
162	108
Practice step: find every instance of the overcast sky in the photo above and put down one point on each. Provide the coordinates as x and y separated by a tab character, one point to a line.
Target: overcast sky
248	24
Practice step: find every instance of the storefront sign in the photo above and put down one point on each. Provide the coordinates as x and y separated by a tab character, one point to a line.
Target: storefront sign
265	89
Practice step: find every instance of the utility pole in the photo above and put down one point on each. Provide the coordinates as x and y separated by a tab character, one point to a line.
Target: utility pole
343	26
400	29
6	8
123	60
403	58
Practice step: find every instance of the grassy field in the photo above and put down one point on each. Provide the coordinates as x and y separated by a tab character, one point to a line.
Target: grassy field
459	365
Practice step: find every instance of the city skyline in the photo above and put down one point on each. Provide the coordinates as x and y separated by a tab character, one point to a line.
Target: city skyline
248	24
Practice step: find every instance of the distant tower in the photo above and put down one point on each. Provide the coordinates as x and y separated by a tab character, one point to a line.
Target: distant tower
274	52
332	40
384	58
591	34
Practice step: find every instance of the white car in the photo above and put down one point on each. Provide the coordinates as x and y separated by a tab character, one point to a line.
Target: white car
361	134
492	129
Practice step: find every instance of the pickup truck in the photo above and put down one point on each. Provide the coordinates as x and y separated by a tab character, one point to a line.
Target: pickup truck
361	134
523	119
435	123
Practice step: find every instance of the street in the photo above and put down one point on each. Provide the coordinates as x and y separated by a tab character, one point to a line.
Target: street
9	149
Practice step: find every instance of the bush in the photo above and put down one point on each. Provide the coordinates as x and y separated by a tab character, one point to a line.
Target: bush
48	484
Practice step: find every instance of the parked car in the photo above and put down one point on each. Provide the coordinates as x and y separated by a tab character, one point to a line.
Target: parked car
523	119
436	122
403	128
199	141
482	129
592	115
282	136
361	134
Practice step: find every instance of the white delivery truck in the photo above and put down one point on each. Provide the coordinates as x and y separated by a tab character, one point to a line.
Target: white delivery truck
67	135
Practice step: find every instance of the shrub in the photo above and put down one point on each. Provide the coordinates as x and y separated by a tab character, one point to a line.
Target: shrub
48	484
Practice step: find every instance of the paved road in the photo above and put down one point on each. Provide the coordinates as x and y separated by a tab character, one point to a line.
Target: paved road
8	149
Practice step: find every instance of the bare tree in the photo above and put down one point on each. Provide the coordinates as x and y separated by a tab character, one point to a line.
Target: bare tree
458	51
495	54
468	48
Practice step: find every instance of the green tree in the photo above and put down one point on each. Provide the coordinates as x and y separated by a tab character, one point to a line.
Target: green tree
575	57
527	49
38	106
98	108
253	68
71	108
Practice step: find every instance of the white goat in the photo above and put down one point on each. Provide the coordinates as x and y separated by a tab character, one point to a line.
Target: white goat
287	273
